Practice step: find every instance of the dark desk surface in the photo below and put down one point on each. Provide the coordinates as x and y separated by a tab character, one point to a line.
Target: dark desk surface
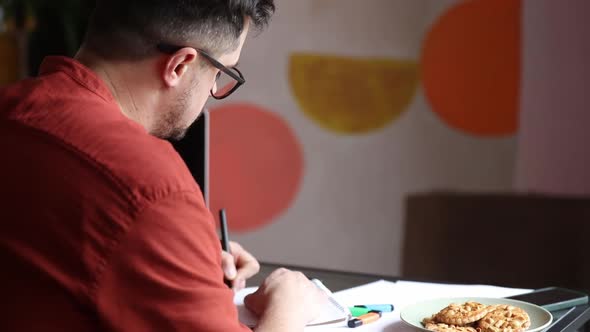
574	319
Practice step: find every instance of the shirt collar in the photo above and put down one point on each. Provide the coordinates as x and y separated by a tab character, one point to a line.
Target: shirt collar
78	72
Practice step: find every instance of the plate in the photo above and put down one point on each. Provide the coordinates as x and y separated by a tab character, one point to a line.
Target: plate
414	313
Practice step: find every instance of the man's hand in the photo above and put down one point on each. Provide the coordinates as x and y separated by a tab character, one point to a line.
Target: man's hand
286	301
238	266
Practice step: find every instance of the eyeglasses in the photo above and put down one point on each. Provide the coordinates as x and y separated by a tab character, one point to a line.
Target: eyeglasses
227	80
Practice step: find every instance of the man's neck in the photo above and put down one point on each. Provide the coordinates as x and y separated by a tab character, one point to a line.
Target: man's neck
120	88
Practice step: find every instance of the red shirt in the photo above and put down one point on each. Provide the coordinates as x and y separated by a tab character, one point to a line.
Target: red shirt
102	227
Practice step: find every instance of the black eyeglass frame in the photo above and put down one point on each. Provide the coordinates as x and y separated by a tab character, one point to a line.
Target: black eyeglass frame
171	49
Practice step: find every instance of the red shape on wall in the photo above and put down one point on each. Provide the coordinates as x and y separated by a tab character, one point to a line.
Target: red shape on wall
471	66
256	165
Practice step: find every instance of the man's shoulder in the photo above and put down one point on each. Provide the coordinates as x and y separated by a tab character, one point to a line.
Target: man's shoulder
96	131
147	166
145	162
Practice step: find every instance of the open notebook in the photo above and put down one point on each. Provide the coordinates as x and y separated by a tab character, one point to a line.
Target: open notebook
333	312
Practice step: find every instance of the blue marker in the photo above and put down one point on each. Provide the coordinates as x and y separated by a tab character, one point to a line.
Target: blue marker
377	307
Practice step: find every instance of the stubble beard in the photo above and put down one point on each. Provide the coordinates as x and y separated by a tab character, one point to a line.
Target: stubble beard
171	125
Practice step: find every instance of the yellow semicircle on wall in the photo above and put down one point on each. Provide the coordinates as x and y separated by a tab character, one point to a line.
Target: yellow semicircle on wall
351	95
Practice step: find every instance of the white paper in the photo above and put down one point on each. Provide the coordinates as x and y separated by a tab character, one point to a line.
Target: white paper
246	316
400	294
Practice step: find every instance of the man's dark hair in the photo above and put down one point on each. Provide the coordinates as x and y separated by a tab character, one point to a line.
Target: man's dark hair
131	29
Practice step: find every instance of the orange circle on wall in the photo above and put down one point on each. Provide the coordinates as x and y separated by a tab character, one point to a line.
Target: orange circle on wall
256	165
471	66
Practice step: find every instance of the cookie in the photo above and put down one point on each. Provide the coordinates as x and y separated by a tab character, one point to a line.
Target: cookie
442	327
462	314
428	320
505	318
430	323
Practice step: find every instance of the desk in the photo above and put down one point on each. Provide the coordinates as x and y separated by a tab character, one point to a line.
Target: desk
574	319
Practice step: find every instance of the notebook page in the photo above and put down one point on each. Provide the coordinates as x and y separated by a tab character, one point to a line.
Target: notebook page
333	312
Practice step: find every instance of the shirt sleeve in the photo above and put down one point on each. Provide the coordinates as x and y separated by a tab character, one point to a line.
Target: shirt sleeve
166	273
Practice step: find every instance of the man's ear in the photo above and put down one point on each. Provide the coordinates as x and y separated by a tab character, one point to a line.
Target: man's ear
176	66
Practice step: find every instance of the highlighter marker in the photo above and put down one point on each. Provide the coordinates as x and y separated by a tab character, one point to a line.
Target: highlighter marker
377	307
356	311
364	319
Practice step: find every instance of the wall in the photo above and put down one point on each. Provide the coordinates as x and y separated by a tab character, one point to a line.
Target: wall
555	114
344	114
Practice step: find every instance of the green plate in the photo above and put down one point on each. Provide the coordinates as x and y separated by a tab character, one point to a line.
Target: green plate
414	313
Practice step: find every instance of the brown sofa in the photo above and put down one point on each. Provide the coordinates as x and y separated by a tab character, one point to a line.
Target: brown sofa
515	240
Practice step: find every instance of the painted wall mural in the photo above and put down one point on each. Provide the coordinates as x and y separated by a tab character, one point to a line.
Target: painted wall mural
352	95
471	66
352	105
258	168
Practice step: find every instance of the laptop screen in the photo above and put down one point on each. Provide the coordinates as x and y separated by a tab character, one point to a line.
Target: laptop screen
194	150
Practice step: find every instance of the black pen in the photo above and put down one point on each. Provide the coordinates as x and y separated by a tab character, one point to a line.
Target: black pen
224	238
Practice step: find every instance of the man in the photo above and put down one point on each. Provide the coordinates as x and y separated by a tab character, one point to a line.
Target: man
102	227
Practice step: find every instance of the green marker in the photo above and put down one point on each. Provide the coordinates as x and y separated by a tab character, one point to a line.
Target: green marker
357	311
377	307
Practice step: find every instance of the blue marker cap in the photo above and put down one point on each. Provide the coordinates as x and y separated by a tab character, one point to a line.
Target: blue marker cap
377	307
